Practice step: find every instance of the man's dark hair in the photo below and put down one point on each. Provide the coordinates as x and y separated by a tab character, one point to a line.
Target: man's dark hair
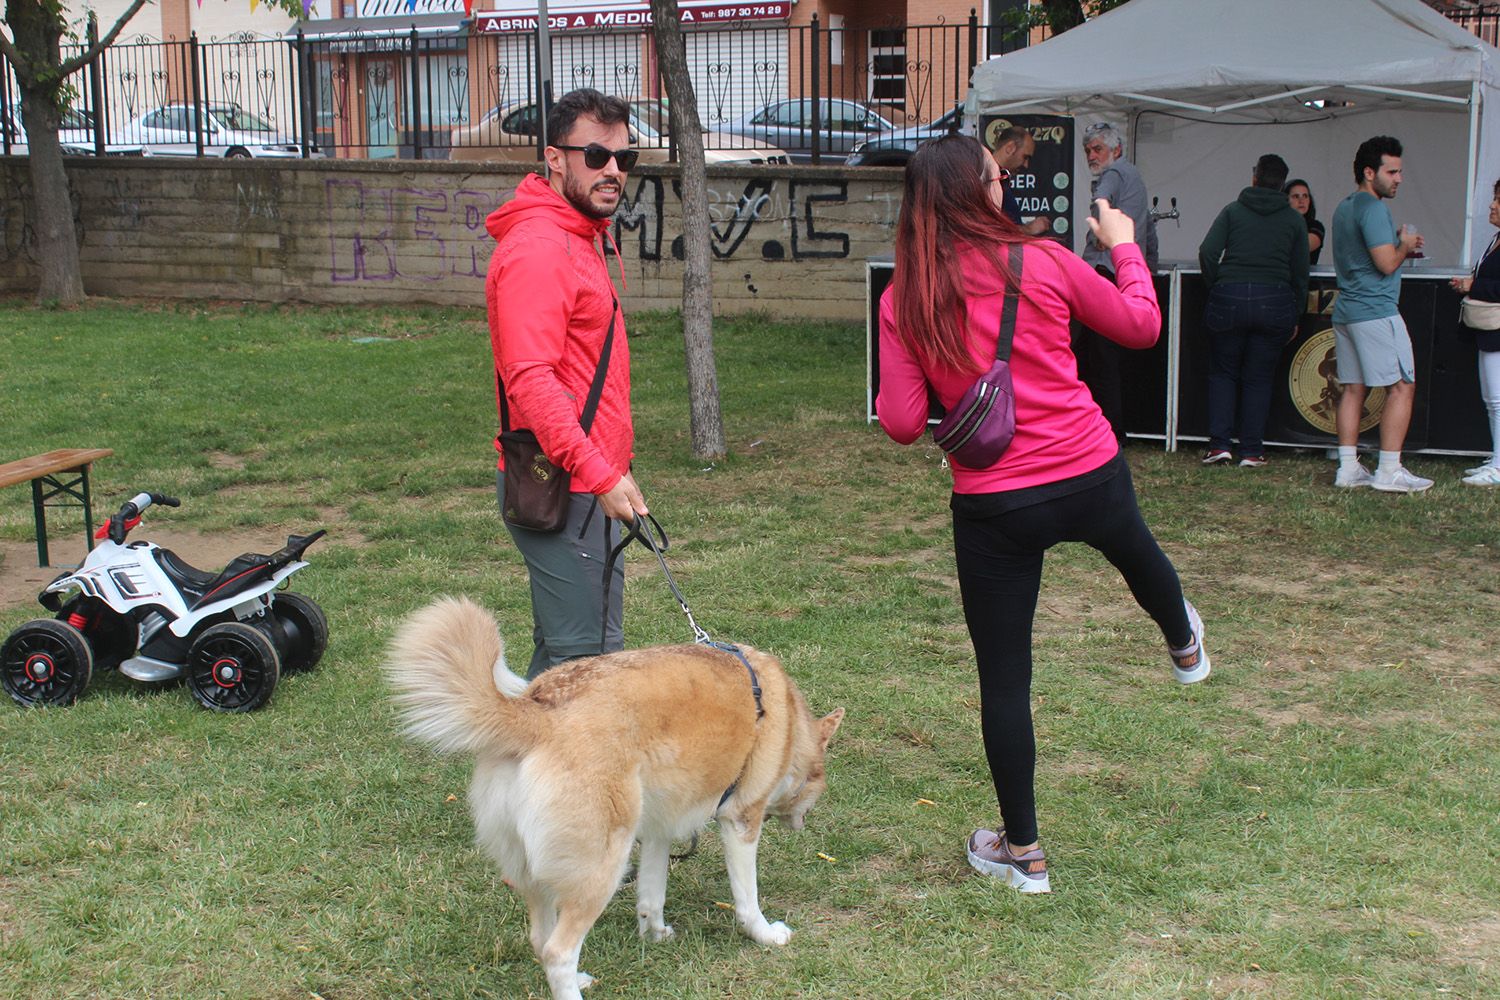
1015	133
1270	172
564	115
1370	153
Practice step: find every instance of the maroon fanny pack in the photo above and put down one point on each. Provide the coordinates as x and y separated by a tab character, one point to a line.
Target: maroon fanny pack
976	432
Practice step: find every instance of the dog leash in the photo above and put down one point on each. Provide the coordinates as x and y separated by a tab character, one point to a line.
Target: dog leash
640	530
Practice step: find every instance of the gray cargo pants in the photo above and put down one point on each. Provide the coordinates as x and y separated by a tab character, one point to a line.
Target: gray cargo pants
566	569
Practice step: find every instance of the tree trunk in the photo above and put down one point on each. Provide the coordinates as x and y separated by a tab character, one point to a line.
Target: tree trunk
37	34
706	421
52	202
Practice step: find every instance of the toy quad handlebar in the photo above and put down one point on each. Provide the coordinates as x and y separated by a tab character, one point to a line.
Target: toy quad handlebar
120	524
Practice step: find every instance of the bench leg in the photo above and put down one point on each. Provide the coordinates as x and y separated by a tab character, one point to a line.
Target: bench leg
88	515
40	511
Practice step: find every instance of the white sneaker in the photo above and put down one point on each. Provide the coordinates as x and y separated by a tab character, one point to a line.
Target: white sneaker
1485	475
1479	468
1349	479
1399	481
1190	663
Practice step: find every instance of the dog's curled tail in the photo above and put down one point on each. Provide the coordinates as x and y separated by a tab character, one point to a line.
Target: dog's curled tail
447	665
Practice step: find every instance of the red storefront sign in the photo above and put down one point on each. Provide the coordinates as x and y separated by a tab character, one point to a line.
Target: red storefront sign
627	15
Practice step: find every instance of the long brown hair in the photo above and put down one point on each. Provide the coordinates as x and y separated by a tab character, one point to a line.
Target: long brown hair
946	209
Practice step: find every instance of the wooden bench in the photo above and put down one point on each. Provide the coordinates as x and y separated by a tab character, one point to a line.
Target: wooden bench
46	473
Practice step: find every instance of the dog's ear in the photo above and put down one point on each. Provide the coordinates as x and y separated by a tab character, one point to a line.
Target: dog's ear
827	726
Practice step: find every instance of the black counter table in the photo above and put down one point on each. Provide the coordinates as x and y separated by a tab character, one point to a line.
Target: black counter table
1166	387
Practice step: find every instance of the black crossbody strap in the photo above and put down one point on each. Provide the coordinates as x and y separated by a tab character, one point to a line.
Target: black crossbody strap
1009	309
596	389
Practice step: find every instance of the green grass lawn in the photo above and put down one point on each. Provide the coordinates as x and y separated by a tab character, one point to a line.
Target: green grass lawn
1319	819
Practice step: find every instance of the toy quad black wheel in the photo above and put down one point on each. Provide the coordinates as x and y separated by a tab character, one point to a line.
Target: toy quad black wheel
305	629
46	662
232	667
110	635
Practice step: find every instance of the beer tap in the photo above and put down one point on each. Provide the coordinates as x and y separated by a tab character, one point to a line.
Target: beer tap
1158	216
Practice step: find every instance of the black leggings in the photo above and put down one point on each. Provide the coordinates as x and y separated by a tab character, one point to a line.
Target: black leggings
1000	573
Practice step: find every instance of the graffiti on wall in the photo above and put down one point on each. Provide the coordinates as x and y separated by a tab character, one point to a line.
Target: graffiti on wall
379	233
387	233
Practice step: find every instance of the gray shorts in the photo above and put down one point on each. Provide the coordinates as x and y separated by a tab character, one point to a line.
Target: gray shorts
1374	352
566	569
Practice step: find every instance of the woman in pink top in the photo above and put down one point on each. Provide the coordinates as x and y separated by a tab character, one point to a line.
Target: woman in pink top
1063	477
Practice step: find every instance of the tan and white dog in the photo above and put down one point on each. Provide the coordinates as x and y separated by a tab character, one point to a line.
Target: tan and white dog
594	755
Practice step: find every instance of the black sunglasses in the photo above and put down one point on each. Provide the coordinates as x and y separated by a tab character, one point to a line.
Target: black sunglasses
596	156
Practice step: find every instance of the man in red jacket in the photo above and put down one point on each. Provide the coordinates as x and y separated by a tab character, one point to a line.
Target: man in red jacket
551	304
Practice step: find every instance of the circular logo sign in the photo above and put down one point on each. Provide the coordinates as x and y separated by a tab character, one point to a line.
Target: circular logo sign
1315	390
993	131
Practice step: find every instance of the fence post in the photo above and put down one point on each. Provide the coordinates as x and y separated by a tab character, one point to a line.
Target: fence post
415	115
195	94
303	91
973	44
817	102
5	116
96	85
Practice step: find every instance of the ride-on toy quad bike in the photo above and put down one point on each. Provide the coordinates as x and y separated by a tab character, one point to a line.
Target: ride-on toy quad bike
139	608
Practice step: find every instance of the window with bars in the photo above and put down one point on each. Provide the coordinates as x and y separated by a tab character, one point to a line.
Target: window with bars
888	67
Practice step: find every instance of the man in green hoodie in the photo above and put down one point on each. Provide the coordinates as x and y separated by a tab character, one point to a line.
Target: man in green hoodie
1254	261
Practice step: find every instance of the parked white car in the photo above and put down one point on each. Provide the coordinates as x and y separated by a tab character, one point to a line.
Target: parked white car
228	131
76	135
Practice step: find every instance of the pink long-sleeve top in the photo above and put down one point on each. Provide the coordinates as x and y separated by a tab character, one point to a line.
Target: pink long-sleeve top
1060	431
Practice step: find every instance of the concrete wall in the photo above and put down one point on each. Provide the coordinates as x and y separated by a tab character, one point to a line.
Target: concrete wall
791	241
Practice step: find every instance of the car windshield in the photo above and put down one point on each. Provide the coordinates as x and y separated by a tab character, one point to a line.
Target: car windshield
650	119
240	120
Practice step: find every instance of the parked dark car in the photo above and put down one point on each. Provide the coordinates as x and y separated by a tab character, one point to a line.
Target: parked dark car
894	148
788	125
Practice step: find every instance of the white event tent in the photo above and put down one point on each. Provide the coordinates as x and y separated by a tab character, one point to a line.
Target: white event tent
1203	87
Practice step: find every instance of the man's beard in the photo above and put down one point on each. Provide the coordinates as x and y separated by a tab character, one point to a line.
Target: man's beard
578	197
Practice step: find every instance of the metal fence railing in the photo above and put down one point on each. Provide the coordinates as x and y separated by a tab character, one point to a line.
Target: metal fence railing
810	91
1482	20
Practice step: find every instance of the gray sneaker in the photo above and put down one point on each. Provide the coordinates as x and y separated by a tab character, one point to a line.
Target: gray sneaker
989	853
1351	479
1399	481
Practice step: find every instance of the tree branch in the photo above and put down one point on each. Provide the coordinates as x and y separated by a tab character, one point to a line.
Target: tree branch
92	52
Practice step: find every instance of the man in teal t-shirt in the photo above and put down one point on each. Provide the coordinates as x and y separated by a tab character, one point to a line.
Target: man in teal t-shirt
1371	342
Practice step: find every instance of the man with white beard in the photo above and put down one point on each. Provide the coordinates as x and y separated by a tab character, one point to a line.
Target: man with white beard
1117	181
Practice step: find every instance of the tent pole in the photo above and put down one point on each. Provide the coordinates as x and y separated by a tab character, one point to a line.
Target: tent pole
1473	170
1414	94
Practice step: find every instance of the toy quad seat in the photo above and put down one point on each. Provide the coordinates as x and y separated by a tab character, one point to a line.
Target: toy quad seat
243	573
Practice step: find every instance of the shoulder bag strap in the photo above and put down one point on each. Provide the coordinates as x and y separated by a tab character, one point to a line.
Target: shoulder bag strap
596	389
586	420
1008	310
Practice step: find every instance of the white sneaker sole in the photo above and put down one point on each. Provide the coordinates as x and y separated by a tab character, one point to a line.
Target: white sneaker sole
1195	675
1393	488
1013	878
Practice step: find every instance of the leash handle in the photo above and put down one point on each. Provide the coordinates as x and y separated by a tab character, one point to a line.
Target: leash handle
640	530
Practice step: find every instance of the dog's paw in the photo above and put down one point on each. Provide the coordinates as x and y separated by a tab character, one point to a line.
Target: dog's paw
651	927
772	935
585	980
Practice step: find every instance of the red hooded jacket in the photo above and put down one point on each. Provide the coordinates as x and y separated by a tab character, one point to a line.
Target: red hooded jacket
550	299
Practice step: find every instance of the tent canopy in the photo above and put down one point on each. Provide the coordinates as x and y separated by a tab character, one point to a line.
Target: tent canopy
1214	54
1314	76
